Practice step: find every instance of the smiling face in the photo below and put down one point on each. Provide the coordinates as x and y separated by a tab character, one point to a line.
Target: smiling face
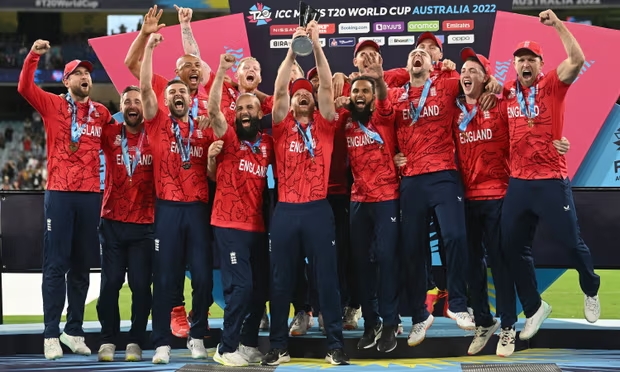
248	114
189	70
473	79
419	62
178	99
528	66
302	103
79	82
249	74
131	107
362	99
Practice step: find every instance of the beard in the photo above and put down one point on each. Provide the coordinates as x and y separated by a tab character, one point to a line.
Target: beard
362	116
178	113
78	92
249	133
133	121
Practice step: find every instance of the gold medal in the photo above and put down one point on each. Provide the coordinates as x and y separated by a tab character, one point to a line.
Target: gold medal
74	146
530	122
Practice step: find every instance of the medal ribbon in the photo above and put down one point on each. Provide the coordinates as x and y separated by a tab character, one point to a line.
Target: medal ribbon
76	129
468	115
183	150
194	110
253	146
131	165
530	110
415	112
371	133
307	137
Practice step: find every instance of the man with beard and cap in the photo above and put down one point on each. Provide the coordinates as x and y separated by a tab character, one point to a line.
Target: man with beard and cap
539	188
181	208
303	223
237	219
126	228
371	142
73	125
430	182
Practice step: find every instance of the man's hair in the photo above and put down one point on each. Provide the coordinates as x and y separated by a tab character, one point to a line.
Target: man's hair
364	78
130	88
176	81
299	67
246	59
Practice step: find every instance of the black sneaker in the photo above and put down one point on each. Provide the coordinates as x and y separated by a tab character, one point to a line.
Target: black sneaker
387	342
276	356
337	357
370	337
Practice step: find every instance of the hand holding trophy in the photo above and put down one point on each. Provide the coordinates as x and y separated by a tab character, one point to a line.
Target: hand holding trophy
302	45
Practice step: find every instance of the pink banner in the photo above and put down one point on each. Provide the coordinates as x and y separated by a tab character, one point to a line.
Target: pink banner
591	98
214	36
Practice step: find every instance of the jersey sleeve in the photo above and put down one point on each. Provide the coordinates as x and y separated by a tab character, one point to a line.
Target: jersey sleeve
44	102
452	87
394	95
396	77
229	135
159	85
278	129
560	88
108	133
384	107
153	126
267	105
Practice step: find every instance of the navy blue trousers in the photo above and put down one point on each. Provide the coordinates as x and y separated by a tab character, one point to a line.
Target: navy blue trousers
297	231
126	248
181	236
441	193
346	267
375	233
70	247
245	274
484	240
550	201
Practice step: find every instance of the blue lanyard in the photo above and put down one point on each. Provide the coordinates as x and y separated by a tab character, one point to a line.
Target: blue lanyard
131	165
254	146
76	129
415	112
530	110
194	113
467	115
307	137
183	149
371	133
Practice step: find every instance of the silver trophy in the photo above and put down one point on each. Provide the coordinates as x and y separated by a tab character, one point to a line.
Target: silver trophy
302	45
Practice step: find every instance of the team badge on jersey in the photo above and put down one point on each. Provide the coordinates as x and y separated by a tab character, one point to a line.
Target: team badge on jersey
117	140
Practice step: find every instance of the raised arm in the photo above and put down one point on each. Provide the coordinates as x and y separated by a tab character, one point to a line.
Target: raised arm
135	53
39	99
218	120
281	97
190	46
214	150
325	93
569	69
149	98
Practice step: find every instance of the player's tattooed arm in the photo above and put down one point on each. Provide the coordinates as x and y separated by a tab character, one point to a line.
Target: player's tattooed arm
149	99
218	120
190	46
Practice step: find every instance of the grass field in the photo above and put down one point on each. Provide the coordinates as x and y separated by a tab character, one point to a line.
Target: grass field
564	295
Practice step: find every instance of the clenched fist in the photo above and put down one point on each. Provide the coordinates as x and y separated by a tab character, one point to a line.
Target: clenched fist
40	47
154	40
227	61
548	18
215	148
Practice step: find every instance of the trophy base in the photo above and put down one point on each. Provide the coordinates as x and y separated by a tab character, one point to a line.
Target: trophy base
302	46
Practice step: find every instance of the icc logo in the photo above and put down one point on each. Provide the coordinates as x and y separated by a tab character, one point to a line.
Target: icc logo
617	162
260	14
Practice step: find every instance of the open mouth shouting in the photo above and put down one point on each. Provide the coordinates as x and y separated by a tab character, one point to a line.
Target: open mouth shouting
360	103
84	85
418	62
304	101
246	120
467	83
132	114
193	78
179	104
250	78
527	74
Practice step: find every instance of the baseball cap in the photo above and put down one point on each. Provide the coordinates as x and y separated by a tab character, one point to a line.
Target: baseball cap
530	46
73	65
300	84
431	36
311	73
467	53
366	43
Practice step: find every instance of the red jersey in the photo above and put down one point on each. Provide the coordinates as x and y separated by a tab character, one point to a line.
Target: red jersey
375	178
532	155
438	73
428	143
482	151
267	105
127	199
338	183
172	181
241	179
69	167
302	174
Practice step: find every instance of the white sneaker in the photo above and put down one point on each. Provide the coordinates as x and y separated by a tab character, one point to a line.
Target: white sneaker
591	308
506	343
300	324
234	359
481	337
52	349
106	353
162	355
418	331
533	323
351	318
197	347
133	353
251	354
75	344
463	320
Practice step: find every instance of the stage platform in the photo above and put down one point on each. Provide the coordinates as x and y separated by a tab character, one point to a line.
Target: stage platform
444	348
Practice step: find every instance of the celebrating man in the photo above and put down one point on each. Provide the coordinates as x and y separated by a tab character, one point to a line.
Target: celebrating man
539	187
73	125
181	209
126	228
303	223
